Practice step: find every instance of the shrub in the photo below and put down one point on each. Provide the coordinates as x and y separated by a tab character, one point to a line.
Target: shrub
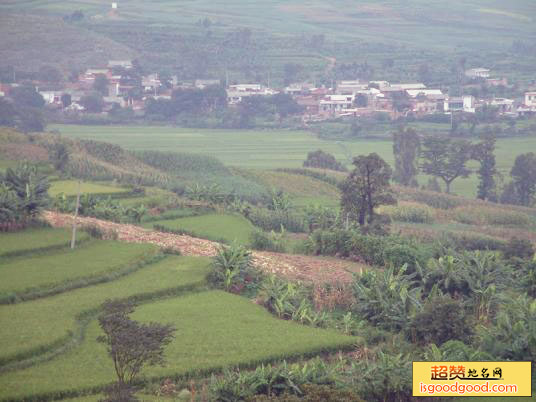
330	242
373	250
385	378
319	217
323	160
368	248
273	220
518	248
409	212
272	241
387	298
397	255
441	320
99	233
271	380
513	334
23	195
232	269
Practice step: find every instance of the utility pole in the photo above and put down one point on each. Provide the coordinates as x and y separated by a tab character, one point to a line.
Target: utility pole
73	237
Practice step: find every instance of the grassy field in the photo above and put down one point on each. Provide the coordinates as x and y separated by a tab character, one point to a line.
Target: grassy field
20	276
271	149
214	226
214	329
36	324
36	239
70	187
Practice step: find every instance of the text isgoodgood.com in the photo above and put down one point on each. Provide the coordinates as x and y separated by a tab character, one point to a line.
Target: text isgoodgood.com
485	388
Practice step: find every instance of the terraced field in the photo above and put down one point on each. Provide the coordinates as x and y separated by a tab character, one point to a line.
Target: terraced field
229	228
35	239
70	268
70	187
43	339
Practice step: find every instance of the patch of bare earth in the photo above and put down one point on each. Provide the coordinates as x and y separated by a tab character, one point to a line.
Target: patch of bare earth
295	267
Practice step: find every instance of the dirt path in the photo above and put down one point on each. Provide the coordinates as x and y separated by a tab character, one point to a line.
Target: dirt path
296	267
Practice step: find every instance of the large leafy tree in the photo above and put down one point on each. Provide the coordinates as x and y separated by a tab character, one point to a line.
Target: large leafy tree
323	160
92	102
406	147
7	113
524	177
27	96
446	158
484	153
366	187
101	84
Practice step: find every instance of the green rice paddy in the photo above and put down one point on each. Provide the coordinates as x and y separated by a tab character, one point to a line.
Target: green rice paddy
36	239
214	329
70	187
55	336
231	228
86	261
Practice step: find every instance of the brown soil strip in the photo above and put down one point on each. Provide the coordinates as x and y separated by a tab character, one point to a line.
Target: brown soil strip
295	267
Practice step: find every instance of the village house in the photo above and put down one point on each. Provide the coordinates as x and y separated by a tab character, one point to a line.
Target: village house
299	88
151	83
530	99
350	87
495	82
51	97
475	73
379	84
126	64
464	103
335	105
91	74
202	84
235	93
406	87
503	105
